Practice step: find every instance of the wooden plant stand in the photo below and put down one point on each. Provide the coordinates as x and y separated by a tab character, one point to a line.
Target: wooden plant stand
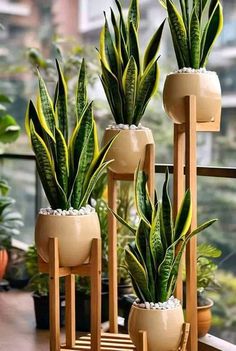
149	165
185	177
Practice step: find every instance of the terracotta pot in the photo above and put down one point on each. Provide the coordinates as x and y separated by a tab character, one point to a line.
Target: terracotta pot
164	327
3	262
206	88
128	149
75	234
204	317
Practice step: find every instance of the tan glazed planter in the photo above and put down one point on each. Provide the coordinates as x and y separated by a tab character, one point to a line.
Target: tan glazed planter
206	88
204	318
128	149
74	233
164	327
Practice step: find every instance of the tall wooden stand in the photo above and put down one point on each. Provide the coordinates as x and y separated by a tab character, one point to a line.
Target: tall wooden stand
112	230
185	163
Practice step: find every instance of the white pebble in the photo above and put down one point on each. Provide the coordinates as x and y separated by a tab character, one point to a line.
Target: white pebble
167	305
147	305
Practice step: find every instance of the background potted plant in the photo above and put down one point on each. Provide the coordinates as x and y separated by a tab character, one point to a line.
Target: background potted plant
10	224
38	284
69	167
206	281
153	264
129	83
194	27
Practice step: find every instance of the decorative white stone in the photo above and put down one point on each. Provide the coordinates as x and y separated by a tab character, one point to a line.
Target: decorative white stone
171	303
71	212
192	70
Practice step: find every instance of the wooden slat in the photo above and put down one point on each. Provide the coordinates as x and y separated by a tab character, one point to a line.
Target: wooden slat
149	168
83	270
191	250
142	340
70	310
54	298
112	253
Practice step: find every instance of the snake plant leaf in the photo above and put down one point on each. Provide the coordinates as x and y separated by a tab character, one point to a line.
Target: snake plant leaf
129	80
85	160
93	180
122	22
62	162
80	137
46	171
147	87
45	108
31	114
195	37
212	6
140	239
178	53
81	92
156	245
178	29
164	271
153	46
133	44
203	226
163	3
197	4
133	13
138	273
211	32
124	50
116	31
122	221
61	103
166	213
184	217
110	100
137	291
112	82
110	52
142	199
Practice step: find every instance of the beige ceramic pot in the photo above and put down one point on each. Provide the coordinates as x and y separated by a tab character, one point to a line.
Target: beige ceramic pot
206	88
128	149
164	327
204	318
75	234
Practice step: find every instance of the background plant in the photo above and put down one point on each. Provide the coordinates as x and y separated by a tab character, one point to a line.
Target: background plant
151	259
128	82
194	31
69	165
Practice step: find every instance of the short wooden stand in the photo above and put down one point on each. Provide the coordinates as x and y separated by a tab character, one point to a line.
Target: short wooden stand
91	269
112	230
185	164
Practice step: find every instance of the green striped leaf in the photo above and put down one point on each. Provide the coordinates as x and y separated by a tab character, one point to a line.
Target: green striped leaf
122	22
138	274
129	81
46	170
32	115
133	45
112	83
133	13
142	199
81	92
110	52
195	38
142	234
153	46
184	216
179	30
166	213
116	31
45	108
62	162
61	103
211	32
164	273
147	87
178	53
122	221
110	101
155	241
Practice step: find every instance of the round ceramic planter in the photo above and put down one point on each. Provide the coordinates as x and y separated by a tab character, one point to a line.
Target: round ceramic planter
163	327
206	88
74	233
128	149
204	317
3	262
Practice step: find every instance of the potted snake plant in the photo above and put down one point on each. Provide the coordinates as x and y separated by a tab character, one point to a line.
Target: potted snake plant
129	83
153	264
194	26
69	165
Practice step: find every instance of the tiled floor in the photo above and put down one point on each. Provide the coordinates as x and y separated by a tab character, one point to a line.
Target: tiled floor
17	325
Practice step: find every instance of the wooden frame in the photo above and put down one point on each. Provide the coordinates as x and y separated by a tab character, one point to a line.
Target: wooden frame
185	177
149	165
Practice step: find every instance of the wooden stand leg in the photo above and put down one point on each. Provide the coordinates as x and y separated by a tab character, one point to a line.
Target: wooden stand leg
70	310
96	291
142	341
178	178
191	250
149	168
112	254
54	295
